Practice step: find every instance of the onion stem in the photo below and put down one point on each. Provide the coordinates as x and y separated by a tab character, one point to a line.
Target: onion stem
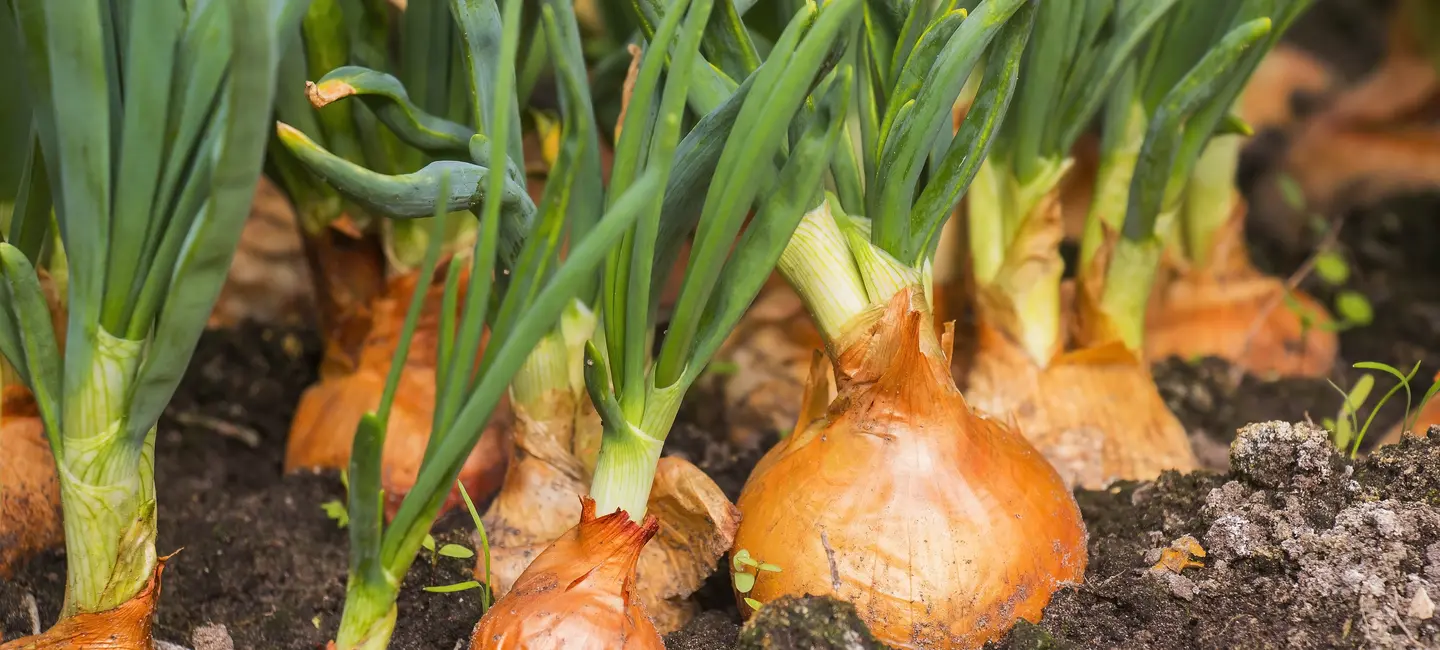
1209	197
818	264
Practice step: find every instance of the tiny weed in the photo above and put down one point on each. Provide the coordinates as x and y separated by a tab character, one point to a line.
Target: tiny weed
745	569
459	552
1347	430
335	508
1352	308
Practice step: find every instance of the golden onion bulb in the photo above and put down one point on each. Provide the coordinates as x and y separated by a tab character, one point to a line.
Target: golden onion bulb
579	594
941	526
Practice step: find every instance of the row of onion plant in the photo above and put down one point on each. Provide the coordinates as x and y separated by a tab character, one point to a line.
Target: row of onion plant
529	350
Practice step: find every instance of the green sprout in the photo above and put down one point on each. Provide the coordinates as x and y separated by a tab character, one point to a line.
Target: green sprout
1347	430
745	570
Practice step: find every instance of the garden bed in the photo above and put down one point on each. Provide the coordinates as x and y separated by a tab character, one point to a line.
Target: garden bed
1303	548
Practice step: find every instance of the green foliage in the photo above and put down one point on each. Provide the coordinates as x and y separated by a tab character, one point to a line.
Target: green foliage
1195	65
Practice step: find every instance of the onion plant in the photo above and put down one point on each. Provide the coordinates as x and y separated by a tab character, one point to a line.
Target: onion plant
1210	299
1037	352
390	94
941	526
582	586
150	120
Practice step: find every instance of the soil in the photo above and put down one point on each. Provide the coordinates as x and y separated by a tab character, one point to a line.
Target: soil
1301	549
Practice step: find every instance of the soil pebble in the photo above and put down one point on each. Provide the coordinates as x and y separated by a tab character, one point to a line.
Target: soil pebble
806	623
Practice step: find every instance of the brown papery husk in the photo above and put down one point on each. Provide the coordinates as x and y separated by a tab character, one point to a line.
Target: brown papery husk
1378	137
1226	308
770	349
544	487
126	627
30	516
578	594
269	280
1094	413
943	527
352	379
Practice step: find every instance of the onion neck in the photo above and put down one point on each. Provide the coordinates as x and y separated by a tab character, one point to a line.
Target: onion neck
1015	233
107	483
368	621
1120	153
818	264
1209	199
630	453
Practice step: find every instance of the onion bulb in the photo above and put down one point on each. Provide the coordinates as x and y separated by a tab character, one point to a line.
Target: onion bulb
942	526
1094	413
352	378
696	524
578	594
1226	308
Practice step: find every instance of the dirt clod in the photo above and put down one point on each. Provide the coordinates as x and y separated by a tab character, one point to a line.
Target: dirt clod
807	623
1303	549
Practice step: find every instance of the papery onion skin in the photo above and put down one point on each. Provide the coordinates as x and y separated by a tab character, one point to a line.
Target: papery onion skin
352	378
1094	413
941	526
579	594
1228	309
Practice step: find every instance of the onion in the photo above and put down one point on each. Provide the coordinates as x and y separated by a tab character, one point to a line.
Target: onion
542	487
351	384
579	593
1228	309
1094	413
942	526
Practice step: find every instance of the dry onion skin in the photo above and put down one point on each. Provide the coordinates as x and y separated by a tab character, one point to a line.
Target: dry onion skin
1378	137
579	594
1094	412
351	383
1228	309
696	525
943	527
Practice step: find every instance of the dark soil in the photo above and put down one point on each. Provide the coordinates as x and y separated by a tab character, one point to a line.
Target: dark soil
1302	550
259	554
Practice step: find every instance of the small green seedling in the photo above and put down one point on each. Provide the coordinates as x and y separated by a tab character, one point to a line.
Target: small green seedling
460	552
742	576
1356	398
1352	308
1342	428
335	508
